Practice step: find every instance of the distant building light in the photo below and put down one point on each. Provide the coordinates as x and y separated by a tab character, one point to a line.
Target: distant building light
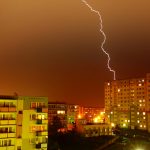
60	112
144	113
138	121
112	124
124	125
138	113
111	112
128	120
144	126
95	120
144	118
140	84
118	90
118	105
140	101
141	126
79	116
125	120
108	84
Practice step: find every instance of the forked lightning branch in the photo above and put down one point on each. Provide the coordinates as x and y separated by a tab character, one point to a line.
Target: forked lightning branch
103	42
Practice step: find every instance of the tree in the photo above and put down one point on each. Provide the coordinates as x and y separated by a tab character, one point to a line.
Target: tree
55	126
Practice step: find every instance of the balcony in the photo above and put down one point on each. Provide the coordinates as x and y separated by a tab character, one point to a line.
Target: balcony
10	135
41	133
39	109
7	135
44	121
45	110
7	122
11	121
10	147
38	145
39	121
4	109
44	145
7	109
12	109
3	135
42	109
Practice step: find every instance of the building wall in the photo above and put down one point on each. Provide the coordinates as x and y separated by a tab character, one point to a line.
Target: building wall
130	98
16	123
95	130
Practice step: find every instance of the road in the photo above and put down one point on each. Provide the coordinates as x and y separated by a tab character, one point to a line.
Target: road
136	143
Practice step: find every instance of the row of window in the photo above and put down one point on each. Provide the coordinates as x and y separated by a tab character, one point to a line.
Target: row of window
38	128
37	104
38	116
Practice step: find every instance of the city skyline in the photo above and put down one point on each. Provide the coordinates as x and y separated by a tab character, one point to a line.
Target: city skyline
52	49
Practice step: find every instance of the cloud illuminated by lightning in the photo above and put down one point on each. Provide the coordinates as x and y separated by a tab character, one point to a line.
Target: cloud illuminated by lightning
101	30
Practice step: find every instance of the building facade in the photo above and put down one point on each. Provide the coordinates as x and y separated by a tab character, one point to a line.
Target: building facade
23	123
58	109
127	102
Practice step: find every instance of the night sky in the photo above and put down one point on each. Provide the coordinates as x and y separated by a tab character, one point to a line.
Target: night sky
52	48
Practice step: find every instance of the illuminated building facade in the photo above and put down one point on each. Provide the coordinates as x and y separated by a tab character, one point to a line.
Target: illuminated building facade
23	123
93	114
58	109
127	102
72	113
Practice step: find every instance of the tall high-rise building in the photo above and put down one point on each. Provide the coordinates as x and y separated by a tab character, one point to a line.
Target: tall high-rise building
23	123
127	102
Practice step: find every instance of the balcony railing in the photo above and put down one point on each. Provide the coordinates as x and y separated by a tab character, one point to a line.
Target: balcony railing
7	135
41	133
7	109
8	121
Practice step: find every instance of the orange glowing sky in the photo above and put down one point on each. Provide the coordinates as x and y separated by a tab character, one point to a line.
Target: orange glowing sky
52	48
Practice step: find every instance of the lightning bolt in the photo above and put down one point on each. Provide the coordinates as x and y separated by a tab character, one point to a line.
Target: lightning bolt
103	42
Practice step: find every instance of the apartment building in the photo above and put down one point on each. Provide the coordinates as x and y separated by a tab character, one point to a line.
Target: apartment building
23	123
127	102
93	114
58	109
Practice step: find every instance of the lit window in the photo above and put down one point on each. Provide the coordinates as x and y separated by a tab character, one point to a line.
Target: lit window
61	112
144	113
138	121
138	113
33	105
118	90
144	117
141	126
108	84
144	126
124	125
140	84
